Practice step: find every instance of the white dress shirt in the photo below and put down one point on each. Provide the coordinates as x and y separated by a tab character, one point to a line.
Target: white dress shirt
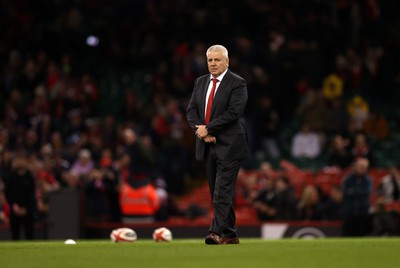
219	78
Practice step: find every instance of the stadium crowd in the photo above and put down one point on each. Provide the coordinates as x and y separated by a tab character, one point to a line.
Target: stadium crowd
93	94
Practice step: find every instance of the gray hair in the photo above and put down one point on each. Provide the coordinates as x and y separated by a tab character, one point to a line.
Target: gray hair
218	48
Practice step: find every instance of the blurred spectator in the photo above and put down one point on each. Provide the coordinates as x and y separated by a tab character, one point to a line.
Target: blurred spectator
389	186
358	109
385	222
173	151
112	179
31	142
376	125
57	143
46	183
265	172
34	163
312	110
338	154
46	152
142	158
6	157
386	216
138	197
72	146
285	200
96	188
109	131
71	179
162	193
265	202
138	203
309	207
20	194
60	167
331	207
74	127
357	189
338	118
247	188
306	143
361	148
84	164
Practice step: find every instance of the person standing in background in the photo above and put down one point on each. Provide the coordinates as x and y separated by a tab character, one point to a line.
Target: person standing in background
357	187
20	195
215	113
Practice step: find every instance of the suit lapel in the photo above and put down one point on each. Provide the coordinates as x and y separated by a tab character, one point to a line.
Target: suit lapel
204	87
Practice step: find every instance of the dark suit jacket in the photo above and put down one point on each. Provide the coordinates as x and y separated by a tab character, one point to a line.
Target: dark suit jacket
227	122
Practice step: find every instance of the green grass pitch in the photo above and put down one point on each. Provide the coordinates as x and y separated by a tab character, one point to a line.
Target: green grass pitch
323	253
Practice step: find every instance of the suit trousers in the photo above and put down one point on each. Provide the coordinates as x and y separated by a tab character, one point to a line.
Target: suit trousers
16	222
222	176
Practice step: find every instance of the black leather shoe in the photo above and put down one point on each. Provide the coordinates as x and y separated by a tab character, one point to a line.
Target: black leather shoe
213	239
230	240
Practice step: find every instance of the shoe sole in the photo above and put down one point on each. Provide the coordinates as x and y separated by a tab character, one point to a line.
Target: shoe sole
231	242
236	243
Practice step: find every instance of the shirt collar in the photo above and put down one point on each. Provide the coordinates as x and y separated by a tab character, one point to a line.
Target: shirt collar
220	77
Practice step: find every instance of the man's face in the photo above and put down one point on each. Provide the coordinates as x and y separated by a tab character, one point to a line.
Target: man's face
217	63
361	167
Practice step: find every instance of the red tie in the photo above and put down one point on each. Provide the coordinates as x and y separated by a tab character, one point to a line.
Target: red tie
210	100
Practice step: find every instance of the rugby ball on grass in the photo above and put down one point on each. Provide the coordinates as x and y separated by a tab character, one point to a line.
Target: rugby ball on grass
123	235
162	235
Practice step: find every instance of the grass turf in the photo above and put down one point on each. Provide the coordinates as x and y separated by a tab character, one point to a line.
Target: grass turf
323	253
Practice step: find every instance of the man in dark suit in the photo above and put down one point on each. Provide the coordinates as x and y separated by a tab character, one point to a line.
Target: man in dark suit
357	189
219	125
20	193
